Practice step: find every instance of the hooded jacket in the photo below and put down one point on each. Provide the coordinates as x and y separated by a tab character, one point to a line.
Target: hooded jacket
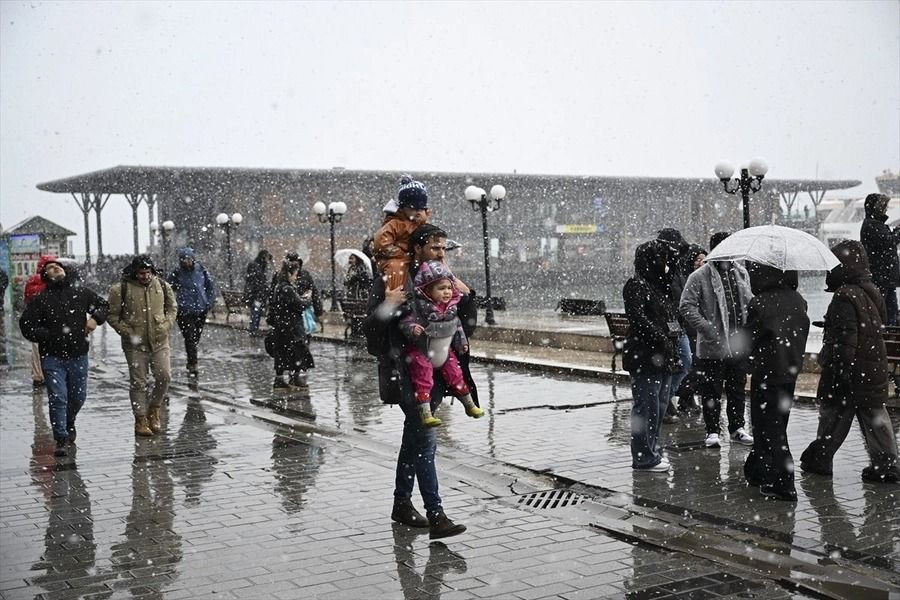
778	325
146	314
880	244
853	357
55	319
256	288
703	306
194	289
651	342
423	309
36	284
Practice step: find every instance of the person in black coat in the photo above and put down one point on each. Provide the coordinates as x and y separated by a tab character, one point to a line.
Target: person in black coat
777	322
677	276
416	458
256	289
880	243
651	352
287	341
59	320
855	375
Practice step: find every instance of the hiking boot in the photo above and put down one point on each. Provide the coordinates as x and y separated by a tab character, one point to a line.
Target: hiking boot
441	527
60	448
141	426
712	440
70	429
405	513
742	437
881	475
280	383
153	419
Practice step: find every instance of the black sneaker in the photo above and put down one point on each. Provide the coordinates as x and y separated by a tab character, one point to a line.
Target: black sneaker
60	448
406	514
881	475
70	429
442	527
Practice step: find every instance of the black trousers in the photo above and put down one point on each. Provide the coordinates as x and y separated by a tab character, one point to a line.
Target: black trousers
890	303
191	326
714	376
770	462
292	354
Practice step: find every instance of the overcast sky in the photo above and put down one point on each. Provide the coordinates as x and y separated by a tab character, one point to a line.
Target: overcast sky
657	89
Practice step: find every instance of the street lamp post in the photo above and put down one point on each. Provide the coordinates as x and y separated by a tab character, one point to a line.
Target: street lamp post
166	233
228	223
480	203
750	181
331	214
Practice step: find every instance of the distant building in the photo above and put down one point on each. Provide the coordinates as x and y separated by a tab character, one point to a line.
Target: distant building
31	238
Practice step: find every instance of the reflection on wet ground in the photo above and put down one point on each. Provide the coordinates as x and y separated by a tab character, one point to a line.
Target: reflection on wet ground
220	505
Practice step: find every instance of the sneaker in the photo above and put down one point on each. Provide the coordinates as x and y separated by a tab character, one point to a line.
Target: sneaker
662	466
712	440
475	412
406	514
60	448
441	527
742	437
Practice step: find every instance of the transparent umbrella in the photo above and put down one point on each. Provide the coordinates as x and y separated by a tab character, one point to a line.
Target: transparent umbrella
343	258
784	248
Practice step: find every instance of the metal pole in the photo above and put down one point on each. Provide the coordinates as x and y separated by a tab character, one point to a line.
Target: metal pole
165	244
334	305
134	225
87	239
745	194
98	206
228	255
489	311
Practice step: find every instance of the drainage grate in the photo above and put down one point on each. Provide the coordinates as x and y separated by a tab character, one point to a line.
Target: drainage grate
551	499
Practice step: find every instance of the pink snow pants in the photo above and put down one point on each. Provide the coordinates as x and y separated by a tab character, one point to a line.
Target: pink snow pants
421	372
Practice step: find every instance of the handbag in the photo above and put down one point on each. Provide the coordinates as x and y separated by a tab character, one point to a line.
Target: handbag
309	320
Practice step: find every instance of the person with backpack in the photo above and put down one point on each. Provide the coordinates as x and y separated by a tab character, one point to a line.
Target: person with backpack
195	293
60	319
142	310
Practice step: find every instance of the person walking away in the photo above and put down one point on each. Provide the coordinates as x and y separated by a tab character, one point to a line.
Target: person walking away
880	243
59	320
418	446
434	307
714	304
34	286
286	340
392	240
778	326
676	247
142	310
650	354
256	288
195	293
854	378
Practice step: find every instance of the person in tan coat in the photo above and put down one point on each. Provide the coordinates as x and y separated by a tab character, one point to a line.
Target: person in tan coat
143	311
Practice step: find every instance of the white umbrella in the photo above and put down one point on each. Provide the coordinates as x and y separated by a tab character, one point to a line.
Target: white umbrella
784	248
343	258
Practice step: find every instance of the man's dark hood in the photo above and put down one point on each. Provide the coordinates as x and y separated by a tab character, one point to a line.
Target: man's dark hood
876	207
764	277
854	267
650	263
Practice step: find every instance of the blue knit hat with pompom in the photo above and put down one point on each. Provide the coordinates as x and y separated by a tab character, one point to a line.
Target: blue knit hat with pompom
412	194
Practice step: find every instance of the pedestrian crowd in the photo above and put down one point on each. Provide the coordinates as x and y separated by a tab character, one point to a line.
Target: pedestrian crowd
697	328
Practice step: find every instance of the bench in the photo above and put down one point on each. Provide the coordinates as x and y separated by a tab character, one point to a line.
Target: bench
234	302
354	311
892	344
618	329
580	307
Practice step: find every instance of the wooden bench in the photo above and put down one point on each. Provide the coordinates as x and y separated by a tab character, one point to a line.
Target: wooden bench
892	343
618	329
580	307
354	311
234	302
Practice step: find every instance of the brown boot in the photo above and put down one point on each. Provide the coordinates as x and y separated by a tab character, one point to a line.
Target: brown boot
141	427
153	419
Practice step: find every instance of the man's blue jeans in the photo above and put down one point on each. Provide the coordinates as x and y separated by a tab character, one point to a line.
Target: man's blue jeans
66	380
650	394
415	461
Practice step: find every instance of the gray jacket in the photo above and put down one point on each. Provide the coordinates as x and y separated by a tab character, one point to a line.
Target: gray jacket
703	307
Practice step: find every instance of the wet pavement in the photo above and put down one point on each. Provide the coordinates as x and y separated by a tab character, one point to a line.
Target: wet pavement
253	495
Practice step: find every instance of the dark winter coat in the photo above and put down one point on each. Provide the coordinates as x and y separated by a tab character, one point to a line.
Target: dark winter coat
385	341
778	325
56	318
256	285
653	331
194	289
853	358
881	246
286	340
